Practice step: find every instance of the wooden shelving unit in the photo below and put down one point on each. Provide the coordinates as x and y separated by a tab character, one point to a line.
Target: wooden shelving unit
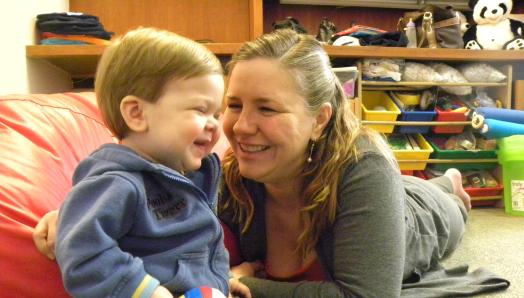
425	54
81	60
242	20
501	91
424	85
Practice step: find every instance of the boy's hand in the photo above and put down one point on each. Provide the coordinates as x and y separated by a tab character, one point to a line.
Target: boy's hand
44	235
238	289
161	292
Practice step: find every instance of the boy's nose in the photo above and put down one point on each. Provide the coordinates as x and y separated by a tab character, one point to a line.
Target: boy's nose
212	122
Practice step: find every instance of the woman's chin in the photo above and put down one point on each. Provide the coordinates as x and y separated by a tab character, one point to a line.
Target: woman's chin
252	172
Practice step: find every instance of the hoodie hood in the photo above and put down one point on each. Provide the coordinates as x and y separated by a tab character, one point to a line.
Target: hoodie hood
115	157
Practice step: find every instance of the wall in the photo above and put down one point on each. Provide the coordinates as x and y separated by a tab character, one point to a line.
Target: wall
21	75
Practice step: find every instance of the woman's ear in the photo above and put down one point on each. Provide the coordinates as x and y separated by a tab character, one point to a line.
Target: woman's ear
322	120
132	110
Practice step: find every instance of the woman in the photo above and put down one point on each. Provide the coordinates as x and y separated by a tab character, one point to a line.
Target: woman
310	195
313	195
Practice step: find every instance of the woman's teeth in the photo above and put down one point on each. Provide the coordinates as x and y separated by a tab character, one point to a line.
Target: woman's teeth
253	148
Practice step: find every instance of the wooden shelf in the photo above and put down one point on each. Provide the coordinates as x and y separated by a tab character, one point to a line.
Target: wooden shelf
471	160
487	198
417	123
81	60
430	84
424	54
78	60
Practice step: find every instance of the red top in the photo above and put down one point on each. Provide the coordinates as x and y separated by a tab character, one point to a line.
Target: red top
312	272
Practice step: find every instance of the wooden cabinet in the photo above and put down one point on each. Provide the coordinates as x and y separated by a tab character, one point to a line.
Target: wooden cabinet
222	21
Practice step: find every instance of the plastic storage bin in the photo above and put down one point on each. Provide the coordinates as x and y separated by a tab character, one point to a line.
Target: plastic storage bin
448	116
437	143
373	99
408	98
347	77
511	157
403	99
474	192
415	116
420	157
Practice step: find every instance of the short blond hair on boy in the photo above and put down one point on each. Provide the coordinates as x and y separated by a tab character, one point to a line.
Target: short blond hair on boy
140	63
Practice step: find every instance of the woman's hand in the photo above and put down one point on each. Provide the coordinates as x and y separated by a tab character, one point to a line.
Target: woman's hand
238	289
247	269
44	235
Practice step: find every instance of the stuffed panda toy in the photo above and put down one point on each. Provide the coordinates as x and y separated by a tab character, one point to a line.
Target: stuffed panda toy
493	29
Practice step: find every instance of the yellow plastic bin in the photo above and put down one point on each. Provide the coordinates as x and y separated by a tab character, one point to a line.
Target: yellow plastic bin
414	159
377	106
408	98
511	157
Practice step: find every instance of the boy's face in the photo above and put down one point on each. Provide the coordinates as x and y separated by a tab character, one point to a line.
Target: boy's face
183	124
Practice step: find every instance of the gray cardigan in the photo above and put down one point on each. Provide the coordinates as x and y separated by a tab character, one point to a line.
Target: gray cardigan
388	229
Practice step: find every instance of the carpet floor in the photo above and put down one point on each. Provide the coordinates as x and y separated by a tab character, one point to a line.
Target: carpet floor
494	240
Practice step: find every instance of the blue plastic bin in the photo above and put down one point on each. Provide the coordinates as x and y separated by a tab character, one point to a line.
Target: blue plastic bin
415	116
425	116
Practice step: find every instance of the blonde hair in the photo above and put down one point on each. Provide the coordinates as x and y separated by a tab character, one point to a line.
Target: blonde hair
309	64
140	64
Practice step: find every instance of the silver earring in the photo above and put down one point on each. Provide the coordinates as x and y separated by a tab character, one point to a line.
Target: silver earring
309	159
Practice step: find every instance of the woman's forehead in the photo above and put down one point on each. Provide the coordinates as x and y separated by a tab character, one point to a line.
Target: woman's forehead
262	76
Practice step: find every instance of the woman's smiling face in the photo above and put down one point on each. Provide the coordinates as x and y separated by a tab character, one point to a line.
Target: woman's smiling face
266	121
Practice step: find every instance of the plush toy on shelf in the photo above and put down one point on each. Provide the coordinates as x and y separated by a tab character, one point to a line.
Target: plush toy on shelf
493	29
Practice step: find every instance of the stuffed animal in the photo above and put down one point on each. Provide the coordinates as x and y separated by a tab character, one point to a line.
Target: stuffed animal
464	25
493	29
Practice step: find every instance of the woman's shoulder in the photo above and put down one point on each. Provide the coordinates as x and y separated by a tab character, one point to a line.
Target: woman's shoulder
370	163
366	149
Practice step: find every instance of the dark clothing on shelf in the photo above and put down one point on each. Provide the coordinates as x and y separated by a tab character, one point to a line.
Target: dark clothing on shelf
72	24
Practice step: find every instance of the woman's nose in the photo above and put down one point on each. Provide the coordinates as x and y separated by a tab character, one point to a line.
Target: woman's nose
245	123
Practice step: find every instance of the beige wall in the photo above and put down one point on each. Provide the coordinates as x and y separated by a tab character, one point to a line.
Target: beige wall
18	74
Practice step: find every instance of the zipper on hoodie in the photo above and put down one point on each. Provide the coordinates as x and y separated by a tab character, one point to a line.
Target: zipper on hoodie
210	209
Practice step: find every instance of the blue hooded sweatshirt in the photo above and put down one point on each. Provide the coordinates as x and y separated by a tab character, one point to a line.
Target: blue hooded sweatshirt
129	225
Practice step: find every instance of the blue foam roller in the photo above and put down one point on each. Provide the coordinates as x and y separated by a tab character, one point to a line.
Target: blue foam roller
507	115
501	129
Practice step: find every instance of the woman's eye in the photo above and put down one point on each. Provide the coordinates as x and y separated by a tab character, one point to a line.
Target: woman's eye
234	106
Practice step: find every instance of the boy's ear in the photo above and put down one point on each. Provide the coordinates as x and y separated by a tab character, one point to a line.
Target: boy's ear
322	120
132	110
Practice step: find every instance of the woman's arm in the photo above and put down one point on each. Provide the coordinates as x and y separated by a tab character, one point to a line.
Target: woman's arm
368	238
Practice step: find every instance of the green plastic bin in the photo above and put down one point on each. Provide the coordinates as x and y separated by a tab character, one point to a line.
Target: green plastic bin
511	157
437	143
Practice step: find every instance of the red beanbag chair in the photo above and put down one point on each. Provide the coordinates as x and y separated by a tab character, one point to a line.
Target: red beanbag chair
42	139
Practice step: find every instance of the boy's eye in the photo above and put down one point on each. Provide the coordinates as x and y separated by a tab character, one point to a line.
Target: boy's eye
267	110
